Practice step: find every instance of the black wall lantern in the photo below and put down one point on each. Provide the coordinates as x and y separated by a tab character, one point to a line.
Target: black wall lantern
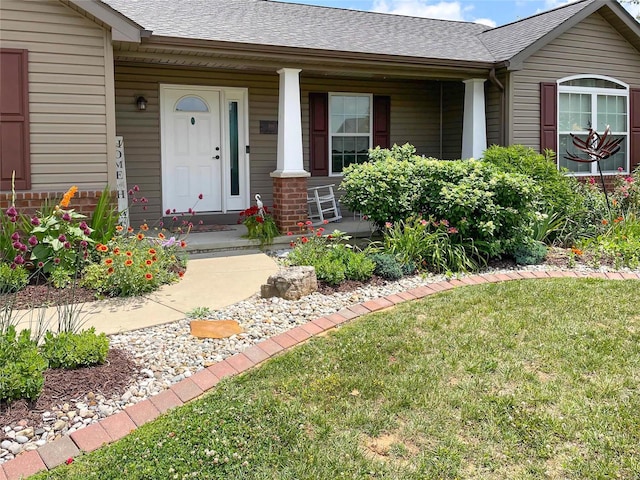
141	102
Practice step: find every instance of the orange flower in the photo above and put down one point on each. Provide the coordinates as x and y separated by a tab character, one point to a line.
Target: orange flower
577	251
110	271
148	276
181	274
154	258
152	251
183	244
618	220
605	221
161	236
129	229
149	262
102	248
108	261
140	236
68	196
119	228
144	227
128	253
128	263
116	251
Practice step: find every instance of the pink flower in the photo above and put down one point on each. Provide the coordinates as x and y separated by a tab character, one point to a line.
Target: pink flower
136	188
289	233
15	236
620	169
423	222
69	461
36	221
304	239
67	245
308	222
12	212
200	197
292	244
66	217
33	241
452	230
18	260
167	211
388	224
62	238
592	181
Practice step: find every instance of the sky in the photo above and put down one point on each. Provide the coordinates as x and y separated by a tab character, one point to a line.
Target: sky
488	12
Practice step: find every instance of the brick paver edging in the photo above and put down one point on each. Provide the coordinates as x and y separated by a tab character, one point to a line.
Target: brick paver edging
117	426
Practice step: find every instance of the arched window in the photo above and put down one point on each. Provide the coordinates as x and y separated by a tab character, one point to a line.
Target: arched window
593	102
191	104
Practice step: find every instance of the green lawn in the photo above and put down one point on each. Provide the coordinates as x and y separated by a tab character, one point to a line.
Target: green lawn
517	380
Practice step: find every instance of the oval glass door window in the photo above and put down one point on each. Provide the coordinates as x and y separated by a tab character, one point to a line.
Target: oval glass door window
191	104
193	120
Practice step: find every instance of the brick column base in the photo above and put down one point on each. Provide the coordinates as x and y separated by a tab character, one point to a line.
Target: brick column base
28	203
290	202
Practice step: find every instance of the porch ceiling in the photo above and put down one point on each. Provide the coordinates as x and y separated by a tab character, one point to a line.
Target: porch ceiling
315	62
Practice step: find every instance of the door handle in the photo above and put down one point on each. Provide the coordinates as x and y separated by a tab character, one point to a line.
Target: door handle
217	157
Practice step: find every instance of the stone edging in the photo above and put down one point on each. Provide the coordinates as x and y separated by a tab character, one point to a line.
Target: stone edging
115	427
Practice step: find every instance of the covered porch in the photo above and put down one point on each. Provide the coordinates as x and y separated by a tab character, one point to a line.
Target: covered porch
268	147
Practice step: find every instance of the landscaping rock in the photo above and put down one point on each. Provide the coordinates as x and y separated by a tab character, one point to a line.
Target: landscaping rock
291	283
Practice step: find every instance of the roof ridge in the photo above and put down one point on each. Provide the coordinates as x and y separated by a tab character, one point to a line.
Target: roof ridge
372	12
545	12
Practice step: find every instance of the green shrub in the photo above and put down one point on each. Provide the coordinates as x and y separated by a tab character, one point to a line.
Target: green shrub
619	244
492	208
334	262
12	279
556	191
530	253
21	366
387	266
74	350
359	267
105	218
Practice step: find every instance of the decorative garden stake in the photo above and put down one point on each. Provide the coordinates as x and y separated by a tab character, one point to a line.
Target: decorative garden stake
596	148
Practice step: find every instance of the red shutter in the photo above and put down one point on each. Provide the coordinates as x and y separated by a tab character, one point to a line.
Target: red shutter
634	121
548	116
381	121
319	133
14	119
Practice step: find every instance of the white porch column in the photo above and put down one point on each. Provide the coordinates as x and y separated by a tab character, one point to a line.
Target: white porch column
474	126
289	156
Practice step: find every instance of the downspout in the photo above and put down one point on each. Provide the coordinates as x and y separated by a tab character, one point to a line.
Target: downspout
494	80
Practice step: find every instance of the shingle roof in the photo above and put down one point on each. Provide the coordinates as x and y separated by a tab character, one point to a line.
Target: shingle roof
508	40
273	23
306	26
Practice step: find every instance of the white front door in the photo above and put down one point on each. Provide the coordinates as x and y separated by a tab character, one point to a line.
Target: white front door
191	160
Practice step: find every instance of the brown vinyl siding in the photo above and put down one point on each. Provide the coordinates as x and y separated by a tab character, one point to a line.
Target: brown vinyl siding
67	92
494	108
415	113
591	47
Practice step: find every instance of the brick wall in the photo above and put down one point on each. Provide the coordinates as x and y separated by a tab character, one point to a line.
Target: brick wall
29	202
290	202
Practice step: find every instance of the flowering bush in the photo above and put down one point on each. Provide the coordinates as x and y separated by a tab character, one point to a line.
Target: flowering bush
60	240
260	224
334	261
134	263
431	245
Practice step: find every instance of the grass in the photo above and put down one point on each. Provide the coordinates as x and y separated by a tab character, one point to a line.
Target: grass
519	380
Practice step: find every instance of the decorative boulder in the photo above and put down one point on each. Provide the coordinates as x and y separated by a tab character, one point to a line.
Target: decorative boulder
291	283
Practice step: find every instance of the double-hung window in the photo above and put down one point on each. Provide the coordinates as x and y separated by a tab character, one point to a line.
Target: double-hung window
593	102
351	126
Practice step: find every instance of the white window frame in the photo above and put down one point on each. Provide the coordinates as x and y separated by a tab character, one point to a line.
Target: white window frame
331	134
594	92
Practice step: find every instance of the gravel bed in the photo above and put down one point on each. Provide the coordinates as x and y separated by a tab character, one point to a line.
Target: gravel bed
168	353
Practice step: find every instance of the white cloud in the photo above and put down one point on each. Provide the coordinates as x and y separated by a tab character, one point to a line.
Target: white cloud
632	8
443	10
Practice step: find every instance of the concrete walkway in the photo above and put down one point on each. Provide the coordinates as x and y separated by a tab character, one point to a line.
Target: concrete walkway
217	281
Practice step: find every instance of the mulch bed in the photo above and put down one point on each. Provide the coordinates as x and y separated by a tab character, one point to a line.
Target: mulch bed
61	386
33	296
